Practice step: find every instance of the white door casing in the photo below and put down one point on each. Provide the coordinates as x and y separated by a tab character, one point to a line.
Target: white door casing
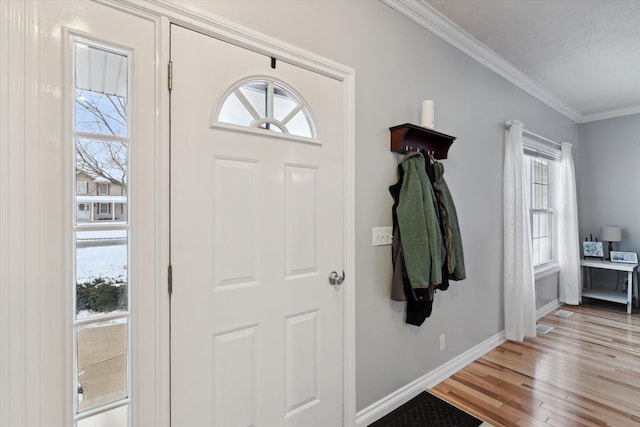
256	228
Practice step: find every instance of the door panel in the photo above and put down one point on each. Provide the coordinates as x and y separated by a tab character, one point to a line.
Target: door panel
256	229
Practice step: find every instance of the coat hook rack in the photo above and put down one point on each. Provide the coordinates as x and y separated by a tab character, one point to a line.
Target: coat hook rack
407	137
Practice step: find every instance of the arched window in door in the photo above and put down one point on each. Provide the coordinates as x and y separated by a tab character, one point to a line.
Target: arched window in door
263	103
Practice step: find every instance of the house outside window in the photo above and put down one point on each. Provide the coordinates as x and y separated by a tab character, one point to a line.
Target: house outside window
540	165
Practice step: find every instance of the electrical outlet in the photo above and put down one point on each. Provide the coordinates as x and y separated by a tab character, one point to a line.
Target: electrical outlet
382	236
442	342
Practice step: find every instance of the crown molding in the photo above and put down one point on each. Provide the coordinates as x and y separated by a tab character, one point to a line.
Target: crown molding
603	115
420	12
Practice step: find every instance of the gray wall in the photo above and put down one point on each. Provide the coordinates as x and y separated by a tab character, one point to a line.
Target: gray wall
546	290
607	178
398	64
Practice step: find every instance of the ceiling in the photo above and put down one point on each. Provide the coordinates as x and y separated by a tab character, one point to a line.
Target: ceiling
581	57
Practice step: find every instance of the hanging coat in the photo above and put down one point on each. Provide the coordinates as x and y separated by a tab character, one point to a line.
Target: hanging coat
454	257
415	218
418	225
419	301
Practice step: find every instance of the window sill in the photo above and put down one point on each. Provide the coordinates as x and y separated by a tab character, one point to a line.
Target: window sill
547	270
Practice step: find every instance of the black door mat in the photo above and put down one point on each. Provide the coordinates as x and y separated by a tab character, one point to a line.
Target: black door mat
427	410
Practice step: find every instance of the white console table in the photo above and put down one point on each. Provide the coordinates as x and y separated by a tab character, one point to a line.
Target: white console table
619	297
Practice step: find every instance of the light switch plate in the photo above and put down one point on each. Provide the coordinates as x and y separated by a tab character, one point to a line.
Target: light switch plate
382	236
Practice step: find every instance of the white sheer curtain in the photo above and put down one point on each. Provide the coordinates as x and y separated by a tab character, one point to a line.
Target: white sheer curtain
568	238
519	294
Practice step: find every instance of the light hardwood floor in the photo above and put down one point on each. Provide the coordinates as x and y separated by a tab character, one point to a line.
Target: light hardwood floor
585	372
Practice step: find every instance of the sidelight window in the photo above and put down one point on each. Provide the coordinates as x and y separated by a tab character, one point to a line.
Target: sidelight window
100	289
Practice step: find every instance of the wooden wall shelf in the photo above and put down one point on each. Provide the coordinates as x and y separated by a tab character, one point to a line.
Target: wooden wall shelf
408	137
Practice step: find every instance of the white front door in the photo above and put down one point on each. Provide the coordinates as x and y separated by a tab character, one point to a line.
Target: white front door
256	229
84	212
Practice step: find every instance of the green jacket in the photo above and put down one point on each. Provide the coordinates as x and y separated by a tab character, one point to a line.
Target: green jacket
451	231
418	223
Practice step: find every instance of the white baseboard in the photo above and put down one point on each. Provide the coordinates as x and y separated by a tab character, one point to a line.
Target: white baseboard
547	308
399	397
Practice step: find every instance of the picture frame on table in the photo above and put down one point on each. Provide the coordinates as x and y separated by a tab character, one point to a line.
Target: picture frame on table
592	250
628	257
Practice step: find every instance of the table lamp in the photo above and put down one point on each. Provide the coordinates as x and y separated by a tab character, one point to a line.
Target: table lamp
610	233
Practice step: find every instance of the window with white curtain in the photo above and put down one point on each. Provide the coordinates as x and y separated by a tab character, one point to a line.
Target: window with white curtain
540	165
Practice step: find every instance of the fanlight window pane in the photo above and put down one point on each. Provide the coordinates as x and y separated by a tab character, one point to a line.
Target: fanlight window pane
266	104
256	94
102	363
299	125
234	112
282	106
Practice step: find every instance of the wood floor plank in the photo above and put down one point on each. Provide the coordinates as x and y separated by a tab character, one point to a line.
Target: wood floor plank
585	372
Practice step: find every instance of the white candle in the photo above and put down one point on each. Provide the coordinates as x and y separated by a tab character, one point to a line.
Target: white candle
427	114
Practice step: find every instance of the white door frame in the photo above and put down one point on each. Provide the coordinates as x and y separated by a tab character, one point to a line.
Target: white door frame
173	12
20	211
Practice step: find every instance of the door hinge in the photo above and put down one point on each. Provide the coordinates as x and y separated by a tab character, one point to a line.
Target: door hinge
170	279
170	82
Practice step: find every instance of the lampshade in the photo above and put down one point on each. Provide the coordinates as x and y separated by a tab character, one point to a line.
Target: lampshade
610	233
